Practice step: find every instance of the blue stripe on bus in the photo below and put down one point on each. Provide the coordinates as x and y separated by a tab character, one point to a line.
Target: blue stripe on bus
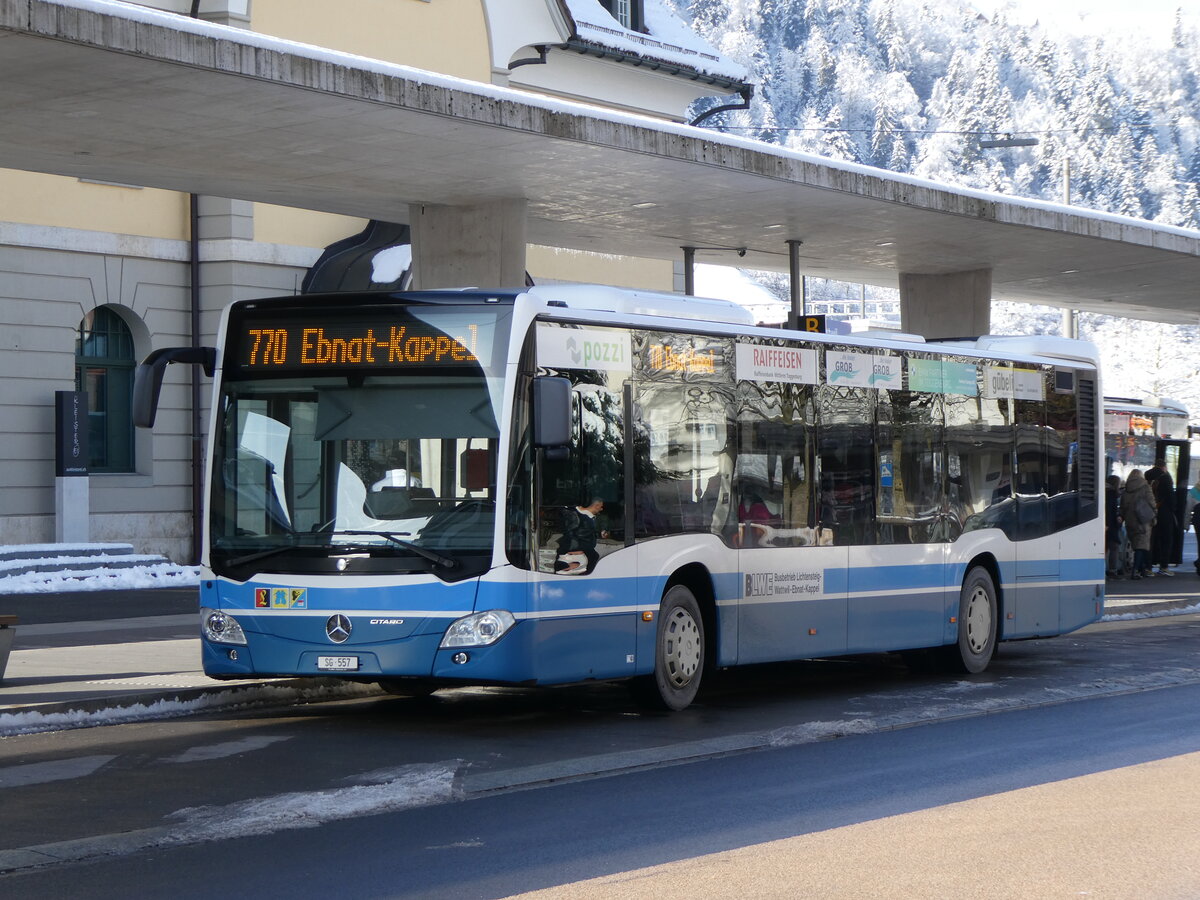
890	578
571	628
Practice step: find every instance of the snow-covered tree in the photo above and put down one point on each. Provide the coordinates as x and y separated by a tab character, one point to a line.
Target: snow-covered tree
914	85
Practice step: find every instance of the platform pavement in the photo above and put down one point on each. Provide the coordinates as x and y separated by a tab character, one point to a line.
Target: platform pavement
62	662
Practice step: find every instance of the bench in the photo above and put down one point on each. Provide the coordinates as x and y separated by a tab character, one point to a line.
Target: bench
8	628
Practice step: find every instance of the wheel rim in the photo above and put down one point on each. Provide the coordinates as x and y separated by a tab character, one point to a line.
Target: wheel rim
979	619
681	647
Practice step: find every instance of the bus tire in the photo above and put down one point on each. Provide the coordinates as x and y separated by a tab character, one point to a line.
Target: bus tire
678	653
978	623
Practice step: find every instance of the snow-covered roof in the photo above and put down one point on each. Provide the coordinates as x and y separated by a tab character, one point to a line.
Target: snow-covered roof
729	283
668	39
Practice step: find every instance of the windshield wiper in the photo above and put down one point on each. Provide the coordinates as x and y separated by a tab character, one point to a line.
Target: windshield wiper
270	551
433	557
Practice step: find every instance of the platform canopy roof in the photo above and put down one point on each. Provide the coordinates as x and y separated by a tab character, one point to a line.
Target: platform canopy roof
125	94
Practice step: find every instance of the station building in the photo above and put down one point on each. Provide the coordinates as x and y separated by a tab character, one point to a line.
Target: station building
93	276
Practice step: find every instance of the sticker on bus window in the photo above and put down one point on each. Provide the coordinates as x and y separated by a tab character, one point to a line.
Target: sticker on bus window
281	598
790	365
583	348
1028	384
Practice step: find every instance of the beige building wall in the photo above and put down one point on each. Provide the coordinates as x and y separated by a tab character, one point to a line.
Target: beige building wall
446	36
301	227
31	198
68	246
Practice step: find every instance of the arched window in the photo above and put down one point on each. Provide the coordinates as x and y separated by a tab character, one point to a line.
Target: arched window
104	365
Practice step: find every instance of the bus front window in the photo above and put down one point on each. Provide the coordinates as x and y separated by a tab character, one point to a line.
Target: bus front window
399	469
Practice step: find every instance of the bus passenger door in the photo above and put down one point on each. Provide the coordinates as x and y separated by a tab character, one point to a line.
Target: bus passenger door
793	603
586	619
793	559
1035	599
896	581
1175	454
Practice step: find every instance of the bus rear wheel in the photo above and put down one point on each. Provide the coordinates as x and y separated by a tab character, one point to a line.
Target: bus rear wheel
978	623
678	654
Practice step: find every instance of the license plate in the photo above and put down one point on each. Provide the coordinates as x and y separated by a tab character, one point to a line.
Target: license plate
337	663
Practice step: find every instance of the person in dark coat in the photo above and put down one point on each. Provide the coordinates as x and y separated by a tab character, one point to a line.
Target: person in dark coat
1137	509
580	532
1112	525
1162	538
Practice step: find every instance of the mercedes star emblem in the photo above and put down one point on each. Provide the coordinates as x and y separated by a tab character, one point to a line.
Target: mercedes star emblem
338	628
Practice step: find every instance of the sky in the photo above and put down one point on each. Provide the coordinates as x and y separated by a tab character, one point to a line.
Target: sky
1092	16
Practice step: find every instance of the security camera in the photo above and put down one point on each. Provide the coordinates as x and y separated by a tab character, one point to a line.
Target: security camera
741	251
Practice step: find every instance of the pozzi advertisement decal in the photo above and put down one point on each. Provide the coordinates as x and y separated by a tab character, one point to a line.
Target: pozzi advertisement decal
583	348
787	364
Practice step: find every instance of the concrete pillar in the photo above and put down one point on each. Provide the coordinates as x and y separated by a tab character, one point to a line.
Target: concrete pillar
72	510
468	246
957	304
223	219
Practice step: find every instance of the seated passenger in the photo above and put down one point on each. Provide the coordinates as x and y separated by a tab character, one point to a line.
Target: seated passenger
397	474
753	509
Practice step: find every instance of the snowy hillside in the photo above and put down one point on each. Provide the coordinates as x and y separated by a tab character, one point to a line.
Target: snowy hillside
915	85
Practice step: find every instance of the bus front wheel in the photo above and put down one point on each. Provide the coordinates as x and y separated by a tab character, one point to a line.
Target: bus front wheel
678	653
978	623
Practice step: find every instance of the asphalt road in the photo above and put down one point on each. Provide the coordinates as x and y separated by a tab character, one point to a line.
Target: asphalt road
490	792
848	815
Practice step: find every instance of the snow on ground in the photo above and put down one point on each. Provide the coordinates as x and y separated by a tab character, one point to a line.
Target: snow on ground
160	575
33	721
1151	614
84	572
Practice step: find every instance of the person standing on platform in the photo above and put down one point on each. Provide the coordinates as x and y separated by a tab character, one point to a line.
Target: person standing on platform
1137	509
1162	538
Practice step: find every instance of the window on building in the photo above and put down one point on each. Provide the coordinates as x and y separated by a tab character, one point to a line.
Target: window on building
627	12
104	364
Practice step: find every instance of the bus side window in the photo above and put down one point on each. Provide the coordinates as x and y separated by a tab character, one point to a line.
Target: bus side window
593	466
773	473
848	463
683	461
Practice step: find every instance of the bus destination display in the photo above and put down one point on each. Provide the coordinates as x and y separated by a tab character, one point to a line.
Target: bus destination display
309	344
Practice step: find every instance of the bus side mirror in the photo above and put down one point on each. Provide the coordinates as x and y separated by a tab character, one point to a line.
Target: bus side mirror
148	377
551	411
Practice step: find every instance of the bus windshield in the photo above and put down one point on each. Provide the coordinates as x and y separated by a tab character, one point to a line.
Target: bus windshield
373	468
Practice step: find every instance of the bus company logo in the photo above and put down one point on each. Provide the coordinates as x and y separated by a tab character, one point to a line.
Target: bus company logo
760	584
262	598
282	598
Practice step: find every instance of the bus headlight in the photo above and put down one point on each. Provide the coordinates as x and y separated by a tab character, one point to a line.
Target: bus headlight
220	627
479	629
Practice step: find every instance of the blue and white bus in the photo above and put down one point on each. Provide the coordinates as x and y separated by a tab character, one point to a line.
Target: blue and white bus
569	483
